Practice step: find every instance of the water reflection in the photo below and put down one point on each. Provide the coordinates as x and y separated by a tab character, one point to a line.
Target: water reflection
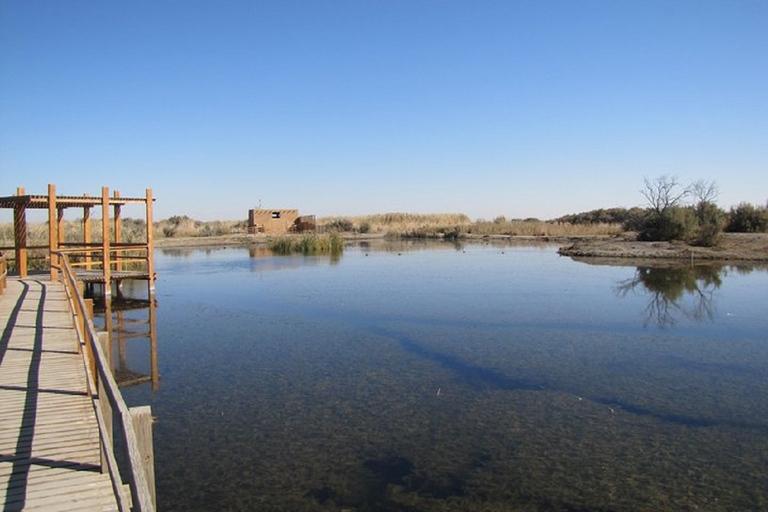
678	291
130	318
445	381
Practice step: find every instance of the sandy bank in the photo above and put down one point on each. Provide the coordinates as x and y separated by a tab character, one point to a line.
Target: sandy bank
732	247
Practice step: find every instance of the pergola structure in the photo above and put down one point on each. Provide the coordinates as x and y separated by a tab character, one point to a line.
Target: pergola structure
101	261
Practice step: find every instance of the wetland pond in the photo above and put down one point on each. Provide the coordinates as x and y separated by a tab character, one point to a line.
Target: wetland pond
433	376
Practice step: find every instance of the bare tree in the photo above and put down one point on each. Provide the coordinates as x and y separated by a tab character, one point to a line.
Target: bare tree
703	192
663	193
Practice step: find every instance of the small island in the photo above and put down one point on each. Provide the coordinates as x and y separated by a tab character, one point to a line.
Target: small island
730	246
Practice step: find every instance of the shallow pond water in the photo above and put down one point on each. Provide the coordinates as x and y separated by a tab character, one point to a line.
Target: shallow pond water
424	377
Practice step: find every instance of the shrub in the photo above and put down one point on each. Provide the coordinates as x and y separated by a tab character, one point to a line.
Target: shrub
674	223
343	225
667	218
747	218
710	220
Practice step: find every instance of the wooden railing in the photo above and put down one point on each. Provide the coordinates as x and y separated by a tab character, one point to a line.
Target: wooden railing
3	272
133	425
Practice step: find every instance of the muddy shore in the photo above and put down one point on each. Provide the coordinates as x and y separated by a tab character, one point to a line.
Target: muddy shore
732	247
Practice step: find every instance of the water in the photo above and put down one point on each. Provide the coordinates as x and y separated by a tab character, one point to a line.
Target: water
444	377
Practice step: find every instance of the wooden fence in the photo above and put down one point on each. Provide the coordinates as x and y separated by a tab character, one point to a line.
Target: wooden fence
134	425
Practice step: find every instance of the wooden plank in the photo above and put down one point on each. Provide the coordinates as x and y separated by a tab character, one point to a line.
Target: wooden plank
45	412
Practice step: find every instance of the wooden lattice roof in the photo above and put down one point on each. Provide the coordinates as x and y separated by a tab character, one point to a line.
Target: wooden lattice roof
40	202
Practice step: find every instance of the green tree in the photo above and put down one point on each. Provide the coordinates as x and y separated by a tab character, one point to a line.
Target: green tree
747	218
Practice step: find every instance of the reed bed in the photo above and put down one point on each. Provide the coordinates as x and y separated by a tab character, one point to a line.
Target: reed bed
309	244
543	228
393	225
397	224
402	225
133	231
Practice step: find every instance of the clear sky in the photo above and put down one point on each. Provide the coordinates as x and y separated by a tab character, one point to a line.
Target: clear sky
522	108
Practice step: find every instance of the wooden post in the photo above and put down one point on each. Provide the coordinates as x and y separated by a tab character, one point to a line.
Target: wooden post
87	234
61	230
106	409
118	232
105	250
150	244
3	273
88	349
53	228
121	356
154	368
20	234
108	327
82	323
142	426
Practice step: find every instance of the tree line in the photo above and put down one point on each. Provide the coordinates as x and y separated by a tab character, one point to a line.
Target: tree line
674	211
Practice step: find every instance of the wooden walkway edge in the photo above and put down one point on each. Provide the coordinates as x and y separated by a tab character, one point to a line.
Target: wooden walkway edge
49	437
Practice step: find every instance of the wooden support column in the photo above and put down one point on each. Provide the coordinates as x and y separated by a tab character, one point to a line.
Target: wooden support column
105	249
106	410
88	347
81	316
53	231
118	232
20	234
87	235
142	426
150	244
109	328
154	367
61	230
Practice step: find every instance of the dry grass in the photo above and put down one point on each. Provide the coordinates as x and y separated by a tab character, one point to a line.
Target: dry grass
542	228
403	225
398	224
456	225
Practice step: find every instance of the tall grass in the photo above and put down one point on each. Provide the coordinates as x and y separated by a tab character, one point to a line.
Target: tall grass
308	243
394	225
542	228
132	231
181	226
398	224
458	225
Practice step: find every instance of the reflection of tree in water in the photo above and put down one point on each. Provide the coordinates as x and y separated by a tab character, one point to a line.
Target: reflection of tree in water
669	287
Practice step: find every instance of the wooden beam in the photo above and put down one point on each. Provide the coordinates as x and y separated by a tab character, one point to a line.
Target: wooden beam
154	367
20	234
150	243
87	235
142	426
118	230
53	231
62	233
105	249
106	409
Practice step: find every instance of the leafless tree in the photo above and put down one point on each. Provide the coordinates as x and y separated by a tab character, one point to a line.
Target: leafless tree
703	192
663	193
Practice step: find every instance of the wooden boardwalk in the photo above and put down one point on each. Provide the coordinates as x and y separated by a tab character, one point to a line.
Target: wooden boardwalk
49	438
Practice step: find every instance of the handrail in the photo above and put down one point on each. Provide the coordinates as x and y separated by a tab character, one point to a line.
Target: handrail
99	375
3	272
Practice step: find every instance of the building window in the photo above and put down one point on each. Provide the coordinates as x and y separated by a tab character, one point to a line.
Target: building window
275	215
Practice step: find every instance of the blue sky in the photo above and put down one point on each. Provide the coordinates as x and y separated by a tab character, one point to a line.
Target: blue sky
523	108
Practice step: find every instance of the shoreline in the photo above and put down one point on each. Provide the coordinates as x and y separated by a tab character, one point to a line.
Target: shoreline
732	246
